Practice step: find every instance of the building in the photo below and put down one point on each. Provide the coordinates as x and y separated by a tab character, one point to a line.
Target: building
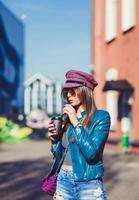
115	57
11	61
41	92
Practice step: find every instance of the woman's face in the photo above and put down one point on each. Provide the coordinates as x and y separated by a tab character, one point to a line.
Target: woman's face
71	95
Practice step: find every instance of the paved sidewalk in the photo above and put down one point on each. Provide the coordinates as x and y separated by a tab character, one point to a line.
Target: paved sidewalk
23	165
121	175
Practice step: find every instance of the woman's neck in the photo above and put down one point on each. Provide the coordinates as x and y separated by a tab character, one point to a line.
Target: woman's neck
79	111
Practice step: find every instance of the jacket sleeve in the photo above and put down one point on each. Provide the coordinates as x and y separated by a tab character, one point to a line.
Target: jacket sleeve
91	143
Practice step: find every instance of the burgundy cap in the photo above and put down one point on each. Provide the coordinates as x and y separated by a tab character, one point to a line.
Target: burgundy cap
75	78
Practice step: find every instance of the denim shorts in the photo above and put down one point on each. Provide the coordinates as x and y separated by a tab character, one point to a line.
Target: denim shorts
69	189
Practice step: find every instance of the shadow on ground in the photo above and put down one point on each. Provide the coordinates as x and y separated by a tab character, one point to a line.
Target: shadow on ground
121	174
21	180
111	177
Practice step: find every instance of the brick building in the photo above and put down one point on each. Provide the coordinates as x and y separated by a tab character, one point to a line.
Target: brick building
115	57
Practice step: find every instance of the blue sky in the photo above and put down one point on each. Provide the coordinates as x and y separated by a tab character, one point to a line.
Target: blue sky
57	35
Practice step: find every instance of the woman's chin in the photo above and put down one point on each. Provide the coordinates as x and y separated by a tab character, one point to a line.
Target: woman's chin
72	104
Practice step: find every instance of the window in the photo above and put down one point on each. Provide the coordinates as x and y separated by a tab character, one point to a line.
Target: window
112	98
128	14
110	19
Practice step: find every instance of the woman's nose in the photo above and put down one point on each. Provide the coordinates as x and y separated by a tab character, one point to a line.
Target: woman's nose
68	94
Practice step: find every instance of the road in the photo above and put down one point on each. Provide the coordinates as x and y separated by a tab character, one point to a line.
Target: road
23	165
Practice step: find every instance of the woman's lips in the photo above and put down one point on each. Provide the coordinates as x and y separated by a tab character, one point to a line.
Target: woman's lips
70	101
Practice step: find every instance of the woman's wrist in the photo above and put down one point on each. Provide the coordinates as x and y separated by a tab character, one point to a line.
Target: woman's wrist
76	124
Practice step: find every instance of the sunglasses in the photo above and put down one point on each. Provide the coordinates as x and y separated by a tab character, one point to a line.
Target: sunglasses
68	90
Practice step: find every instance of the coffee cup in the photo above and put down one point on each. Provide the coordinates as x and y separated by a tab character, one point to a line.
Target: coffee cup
58	125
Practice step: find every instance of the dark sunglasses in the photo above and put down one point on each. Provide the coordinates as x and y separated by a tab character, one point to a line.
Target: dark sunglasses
68	90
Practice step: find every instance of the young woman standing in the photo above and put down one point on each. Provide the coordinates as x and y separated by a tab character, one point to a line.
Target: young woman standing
80	177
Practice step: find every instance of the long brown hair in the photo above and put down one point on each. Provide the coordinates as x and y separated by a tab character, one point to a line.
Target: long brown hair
86	96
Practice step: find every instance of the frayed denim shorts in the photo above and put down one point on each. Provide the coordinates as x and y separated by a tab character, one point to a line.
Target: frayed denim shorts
69	189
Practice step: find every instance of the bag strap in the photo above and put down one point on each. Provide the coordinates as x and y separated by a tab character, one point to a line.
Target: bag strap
56	168
62	159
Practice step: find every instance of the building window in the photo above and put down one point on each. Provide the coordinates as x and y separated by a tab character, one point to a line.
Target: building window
112	99
110	19
128	14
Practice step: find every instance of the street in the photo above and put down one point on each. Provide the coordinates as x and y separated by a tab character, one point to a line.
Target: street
23	165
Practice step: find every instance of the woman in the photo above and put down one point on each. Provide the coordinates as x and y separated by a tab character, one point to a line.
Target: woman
80	177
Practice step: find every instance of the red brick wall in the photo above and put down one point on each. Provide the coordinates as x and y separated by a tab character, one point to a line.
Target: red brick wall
122	53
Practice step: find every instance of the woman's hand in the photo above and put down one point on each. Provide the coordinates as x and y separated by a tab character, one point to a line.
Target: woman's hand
71	112
52	132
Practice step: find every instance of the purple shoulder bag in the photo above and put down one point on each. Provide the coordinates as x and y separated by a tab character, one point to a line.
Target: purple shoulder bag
49	182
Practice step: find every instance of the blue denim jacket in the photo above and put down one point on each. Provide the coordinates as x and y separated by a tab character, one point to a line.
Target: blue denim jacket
86	147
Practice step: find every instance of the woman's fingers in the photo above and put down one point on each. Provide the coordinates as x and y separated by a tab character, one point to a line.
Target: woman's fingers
51	122
51	134
51	126
51	129
52	139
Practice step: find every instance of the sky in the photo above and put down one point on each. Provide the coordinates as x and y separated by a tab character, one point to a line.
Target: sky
57	35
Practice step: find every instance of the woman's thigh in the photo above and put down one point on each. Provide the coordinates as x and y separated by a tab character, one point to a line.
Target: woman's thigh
64	189
91	190
68	189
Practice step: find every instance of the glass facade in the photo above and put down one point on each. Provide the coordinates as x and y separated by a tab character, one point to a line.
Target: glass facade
11	61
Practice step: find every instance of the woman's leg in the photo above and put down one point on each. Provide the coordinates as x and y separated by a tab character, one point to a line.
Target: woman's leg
64	189
91	190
